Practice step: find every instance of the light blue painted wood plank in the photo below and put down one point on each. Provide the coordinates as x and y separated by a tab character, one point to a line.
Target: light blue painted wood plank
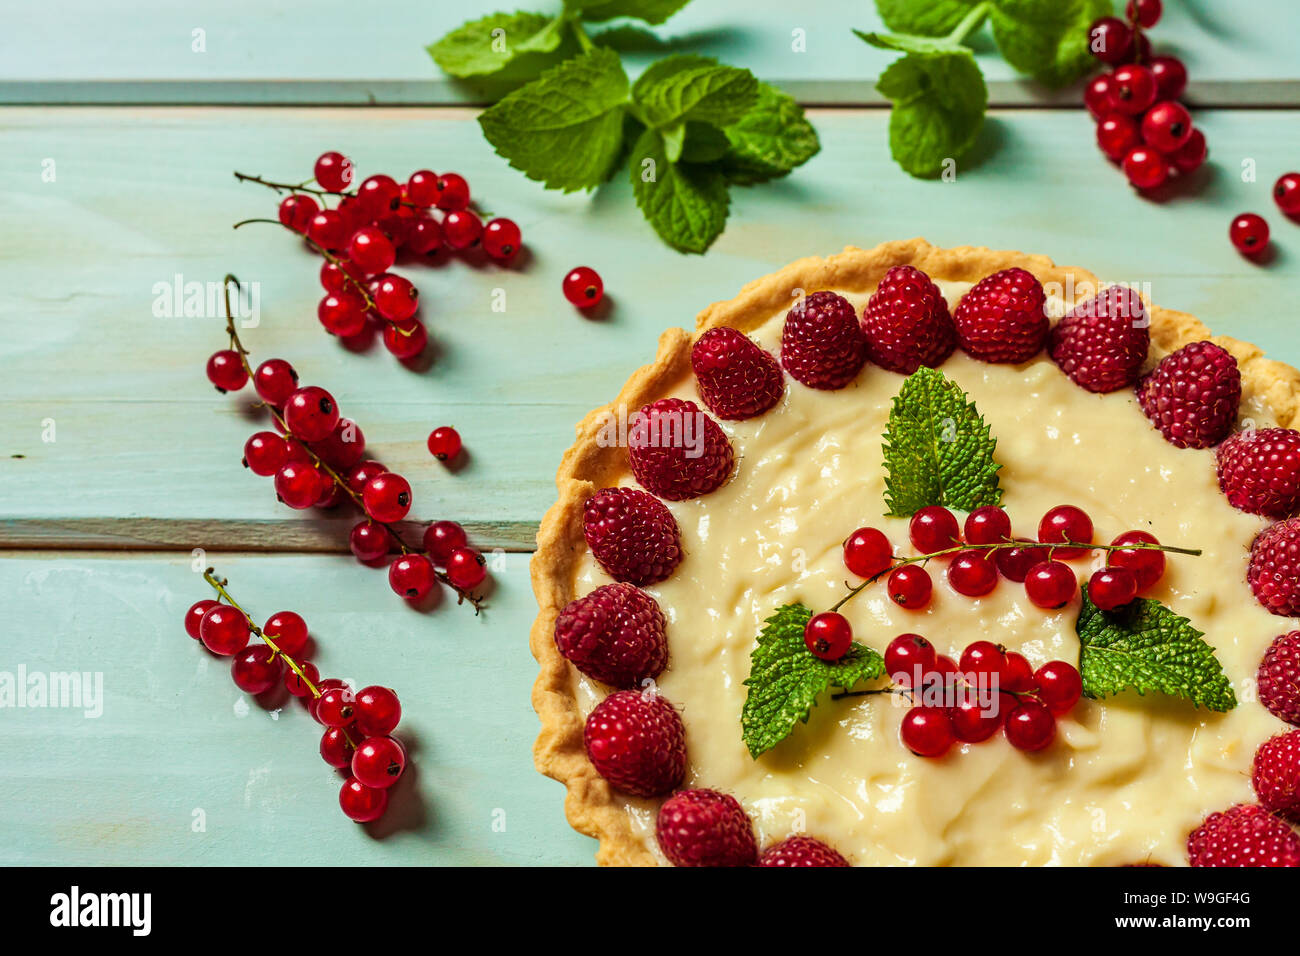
332	51
144	194
176	737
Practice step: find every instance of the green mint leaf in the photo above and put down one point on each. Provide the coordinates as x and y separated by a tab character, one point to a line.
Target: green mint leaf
488	45
938	450
674	138
785	679
686	204
1048	39
651	11
933	18
1147	647
772	138
939	101
910	43
630	38
688	87
566	127
704	144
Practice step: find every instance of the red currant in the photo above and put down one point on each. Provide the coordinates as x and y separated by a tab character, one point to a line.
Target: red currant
311	413
1014	563
1170	76
264	453
932	529
297	211
1059	686
1117	135
1167	126
288	630
1110	40
396	298
397	226
194	616
378	711
1286	193
1110	588
466	568
1066	523
453	192
442	538
583	287
972	722
378	762
828	635
867	552
910	587
387	497
1191	154
444	443
908	656
298	484
1146	564
371	251
342	313
336	748
336	706
1143	13
988	525
501	239
369	541
405	340
1145	168
360	803
331	495
334	276
984	660
343	447
1133	89
972	573
422	188
1017	674
295	684
226	371
1249	233
333	172
424	235
223	630
1096	96
255	670
926	731
328	230
322	686
361	473
352	215
1030	726
411	576
1050	584
378	196
461	229
275	380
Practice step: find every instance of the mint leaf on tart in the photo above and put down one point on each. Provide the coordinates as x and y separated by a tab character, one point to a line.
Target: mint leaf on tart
490	44
1048	39
651	11
938	450
772	138
785	679
685	203
1147	647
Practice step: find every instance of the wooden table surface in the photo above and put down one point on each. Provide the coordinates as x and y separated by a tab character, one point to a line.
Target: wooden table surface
118	460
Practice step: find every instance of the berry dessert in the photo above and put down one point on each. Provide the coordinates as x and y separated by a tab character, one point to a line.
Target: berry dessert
927	556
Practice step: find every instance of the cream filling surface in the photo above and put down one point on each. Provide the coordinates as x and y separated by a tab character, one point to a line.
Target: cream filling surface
1125	780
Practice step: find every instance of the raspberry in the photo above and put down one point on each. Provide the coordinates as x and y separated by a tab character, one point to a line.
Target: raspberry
1278	678
1191	396
1245	835
705	828
1102	343
1259	471
735	377
614	634
1277	774
801	851
822	344
1002	318
906	322
677	451
637	742
632	534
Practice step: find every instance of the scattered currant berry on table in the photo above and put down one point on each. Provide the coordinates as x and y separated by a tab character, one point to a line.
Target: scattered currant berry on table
224	630
288	630
736	378
441	538
1132	89
295	683
1249	234
1276	774
396	298
1278	678
226	371
378	711
297	211
987	525
705	828
461	229
1244	835
311	413
360	803
927	731
1259	471
1066	524
342	313
1030	726
907	323
335	707
1096	96
444	443
299	485
328	230
972	573
1059	686
1003	318
378	761
1166	126
615	634
453	192
799	851
1286	193
910	587
933	528
378	196
1112	587
583	288
405	340
822	343
466	568
828	635
632	535
359	474
333	172
275	380
1170	75
422	188
337	748
194	616
412	577
371	251
343	447
424	236
256	669
1110	40
322	686
908	656
1050	585
265	453
1192	395
501	239
637	742
867	552
1147	565
1117	136
387	497
1145	168
670	469
1143	13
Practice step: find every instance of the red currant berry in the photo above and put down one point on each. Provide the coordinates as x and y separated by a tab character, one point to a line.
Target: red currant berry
453	192
378	196
361	473
412	577
396	298
387	497
1167	126
867	552
295	684
926	731
1191	154
444	443
988	525
1014	563
1110	588
424	235
932	529
1146	564
331	495
1066	523
1059	686
828	635
223	630
297	211
1143	13
378	711
466	568
336	706
275	380
405	340
328	230
342	313
335	276
1117	136
288	630
1050	585
313	702
1170	76
422	188
264	453
336	748
1286	193
910	587
1017	674
369	541
442	538
255	670
501	239
1249	233
907	657
984	660
1145	168
972	573
1132	90
1030	726
360	803
226	371
353	216
1110	40
583	287
311	413
194	616
1096	96
333	172
371	251
397	227
378	762
343	447
461	229
972	722
298	484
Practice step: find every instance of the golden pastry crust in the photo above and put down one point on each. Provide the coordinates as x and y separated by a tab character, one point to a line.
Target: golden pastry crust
590	805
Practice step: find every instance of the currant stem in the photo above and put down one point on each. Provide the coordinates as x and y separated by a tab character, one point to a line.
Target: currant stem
329	256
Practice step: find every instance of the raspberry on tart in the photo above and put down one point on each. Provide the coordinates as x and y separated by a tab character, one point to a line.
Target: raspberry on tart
1003	318
632	535
705	828
637	742
1278	678
799	851
677	451
1244	835
822	344
1192	395
736	379
1102	343
614	634
1259	471
907	323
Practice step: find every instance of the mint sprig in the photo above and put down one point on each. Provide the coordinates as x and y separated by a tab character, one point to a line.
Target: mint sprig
785	678
1144	646
938	449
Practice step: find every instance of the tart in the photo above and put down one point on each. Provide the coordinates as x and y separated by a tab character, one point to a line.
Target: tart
1125	779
